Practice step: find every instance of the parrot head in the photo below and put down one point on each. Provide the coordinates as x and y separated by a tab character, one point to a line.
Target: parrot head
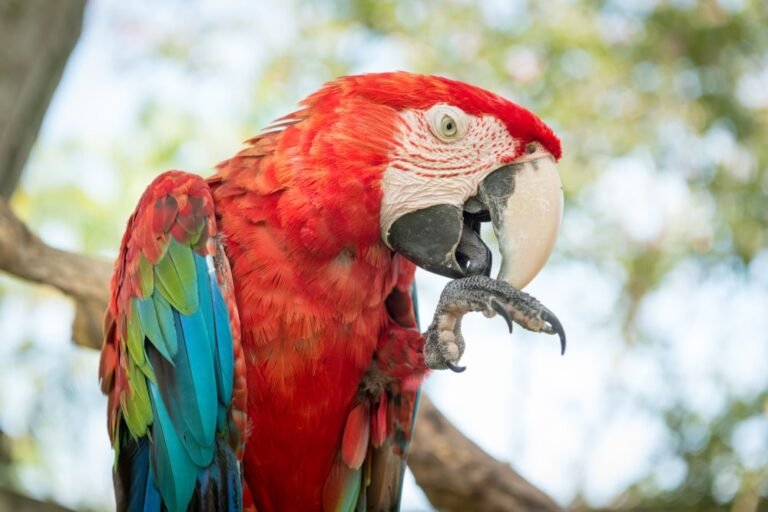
443	157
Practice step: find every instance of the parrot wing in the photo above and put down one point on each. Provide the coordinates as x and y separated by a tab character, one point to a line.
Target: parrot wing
370	468
172	365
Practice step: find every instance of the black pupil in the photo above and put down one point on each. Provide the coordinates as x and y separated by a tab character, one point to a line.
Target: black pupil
449	126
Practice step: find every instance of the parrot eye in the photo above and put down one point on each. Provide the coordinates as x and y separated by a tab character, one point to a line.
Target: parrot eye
447	122
448	127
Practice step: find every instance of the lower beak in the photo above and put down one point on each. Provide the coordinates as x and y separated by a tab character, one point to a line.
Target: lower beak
443	240
523	201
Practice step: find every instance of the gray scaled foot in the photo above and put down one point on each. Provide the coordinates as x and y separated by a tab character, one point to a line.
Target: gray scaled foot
444	342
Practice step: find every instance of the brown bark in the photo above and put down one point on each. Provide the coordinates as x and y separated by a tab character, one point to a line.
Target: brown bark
458	476
36	38
83	278
11	500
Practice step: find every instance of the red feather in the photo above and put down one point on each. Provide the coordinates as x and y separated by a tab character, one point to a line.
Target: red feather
356	435
379	423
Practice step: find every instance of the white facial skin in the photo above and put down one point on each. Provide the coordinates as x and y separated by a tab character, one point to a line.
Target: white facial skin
443	154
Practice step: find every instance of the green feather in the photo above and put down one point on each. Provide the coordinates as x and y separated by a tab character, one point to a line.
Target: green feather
146	277
157	323
138	409
141	395
351	491
195	236
133	418
165	319
135	337
184	260
176	279
168	284
135	342
116	446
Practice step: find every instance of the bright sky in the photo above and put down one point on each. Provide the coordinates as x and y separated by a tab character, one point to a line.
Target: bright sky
557	420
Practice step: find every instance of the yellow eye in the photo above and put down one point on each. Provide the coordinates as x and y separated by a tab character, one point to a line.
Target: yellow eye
447	123
448	127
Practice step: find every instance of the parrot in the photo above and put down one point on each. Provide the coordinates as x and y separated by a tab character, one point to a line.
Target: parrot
261	345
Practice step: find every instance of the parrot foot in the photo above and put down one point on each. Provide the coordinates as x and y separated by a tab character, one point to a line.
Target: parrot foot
444	344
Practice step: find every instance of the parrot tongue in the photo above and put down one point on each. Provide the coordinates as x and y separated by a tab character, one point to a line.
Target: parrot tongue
525	201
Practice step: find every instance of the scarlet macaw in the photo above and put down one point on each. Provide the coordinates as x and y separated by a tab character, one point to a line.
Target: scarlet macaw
261	349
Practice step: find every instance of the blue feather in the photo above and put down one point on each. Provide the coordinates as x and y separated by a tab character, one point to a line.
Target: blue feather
152	500
138	461
225	352
175	382
216	315
196	376
234	483
184	461
219	485
204	295
172	468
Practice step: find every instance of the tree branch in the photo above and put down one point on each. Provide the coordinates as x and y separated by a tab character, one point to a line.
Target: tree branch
84	278
457	475
36	38
454	472
11	500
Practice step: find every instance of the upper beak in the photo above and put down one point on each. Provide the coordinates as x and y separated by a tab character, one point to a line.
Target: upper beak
523	201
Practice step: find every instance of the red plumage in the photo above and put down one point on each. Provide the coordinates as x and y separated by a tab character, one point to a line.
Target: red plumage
331	352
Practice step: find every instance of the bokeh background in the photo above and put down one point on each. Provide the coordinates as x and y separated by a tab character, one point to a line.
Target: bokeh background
660	274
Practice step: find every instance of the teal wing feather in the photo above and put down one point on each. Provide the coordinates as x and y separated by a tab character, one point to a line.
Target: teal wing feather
169	360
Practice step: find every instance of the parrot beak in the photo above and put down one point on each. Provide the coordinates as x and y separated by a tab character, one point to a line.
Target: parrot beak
524	202
442	239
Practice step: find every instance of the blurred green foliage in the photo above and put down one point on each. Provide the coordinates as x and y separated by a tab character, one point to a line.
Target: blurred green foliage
679	88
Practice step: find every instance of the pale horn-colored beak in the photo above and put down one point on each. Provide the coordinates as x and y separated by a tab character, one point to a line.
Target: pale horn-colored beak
525	200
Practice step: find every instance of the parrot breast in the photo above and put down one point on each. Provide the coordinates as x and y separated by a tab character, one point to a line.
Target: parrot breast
310	325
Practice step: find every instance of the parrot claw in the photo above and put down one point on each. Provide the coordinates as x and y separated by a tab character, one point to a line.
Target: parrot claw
444	342
553	326
499	308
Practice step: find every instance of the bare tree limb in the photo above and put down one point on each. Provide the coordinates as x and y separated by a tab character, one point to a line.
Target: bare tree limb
24	255
36	38
84	278
11	500
457	475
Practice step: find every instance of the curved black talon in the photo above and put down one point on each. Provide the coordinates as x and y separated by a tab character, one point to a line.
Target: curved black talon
454	367
557	327
499	308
